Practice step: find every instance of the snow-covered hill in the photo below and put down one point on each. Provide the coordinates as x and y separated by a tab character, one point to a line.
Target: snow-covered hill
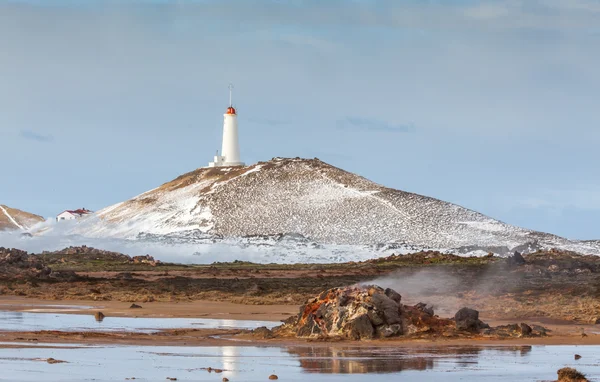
311	200
13	219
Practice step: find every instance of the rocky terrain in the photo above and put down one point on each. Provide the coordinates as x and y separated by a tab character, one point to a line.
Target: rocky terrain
14	219
313	201
368	312
554	285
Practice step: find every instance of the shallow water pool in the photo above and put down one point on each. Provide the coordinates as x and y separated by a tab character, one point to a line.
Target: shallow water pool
318	363
27	321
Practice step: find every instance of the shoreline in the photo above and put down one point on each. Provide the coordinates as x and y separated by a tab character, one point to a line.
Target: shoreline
562	333
157	309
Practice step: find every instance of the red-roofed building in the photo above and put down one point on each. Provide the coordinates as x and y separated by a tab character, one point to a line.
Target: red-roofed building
73	214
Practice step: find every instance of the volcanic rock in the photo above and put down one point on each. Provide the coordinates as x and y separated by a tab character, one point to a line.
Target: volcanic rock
388	307
393	295
360	328
425	308
515	260
263	332
468	319
568	374
358	313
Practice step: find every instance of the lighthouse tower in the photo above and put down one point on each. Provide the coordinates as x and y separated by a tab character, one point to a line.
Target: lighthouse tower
230	151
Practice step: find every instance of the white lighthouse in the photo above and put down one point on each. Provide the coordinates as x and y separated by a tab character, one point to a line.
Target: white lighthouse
230	151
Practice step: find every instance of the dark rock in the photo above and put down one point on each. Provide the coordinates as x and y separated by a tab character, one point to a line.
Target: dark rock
309	328
466	313
99	316
516	259
360	328
468	319
135	306
525	329
393	295
577	356
597	322
376	317
388	306
424	308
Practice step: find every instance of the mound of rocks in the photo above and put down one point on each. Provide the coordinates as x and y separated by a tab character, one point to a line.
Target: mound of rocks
369	312
15	263
361	313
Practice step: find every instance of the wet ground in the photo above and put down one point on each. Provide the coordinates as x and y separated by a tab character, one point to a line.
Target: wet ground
316	363
32	321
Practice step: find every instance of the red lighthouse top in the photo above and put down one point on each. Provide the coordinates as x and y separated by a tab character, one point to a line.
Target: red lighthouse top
230	110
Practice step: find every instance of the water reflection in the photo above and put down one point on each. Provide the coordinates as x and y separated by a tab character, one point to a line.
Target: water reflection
352	360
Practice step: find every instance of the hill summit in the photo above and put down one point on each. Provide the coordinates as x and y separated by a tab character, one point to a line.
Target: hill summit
310	199
14	219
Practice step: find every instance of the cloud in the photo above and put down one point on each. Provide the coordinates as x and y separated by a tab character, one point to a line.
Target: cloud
367	124
33	136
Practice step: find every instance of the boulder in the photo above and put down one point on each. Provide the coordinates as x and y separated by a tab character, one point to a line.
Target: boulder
468	319
360	328
388	307
427	309
393	295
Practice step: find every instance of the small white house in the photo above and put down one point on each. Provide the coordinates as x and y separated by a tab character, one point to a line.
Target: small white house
72	214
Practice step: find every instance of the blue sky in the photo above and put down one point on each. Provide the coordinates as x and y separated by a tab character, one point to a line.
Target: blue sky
491	105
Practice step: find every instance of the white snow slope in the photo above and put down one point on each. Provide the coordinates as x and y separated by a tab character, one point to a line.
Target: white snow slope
313	200
13	219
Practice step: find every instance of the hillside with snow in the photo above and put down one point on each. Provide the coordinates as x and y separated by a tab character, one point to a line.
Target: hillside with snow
312	202
14	219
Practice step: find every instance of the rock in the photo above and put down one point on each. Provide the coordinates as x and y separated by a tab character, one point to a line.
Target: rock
516	259
225	379
262	332
135	306
389	331
99	316
568	374
273	376
393	295
53	361
310	328
577	356
375	317
171	379
360	328
424	308
525	329
388	306
597	322
468	319
218	371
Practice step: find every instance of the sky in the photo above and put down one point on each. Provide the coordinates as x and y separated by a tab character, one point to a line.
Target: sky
492	105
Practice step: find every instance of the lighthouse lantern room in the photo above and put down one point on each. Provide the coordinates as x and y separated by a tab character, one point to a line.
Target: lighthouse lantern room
230	151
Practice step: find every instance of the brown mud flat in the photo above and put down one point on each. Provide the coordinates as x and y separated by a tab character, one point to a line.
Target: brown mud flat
566	335
553	287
